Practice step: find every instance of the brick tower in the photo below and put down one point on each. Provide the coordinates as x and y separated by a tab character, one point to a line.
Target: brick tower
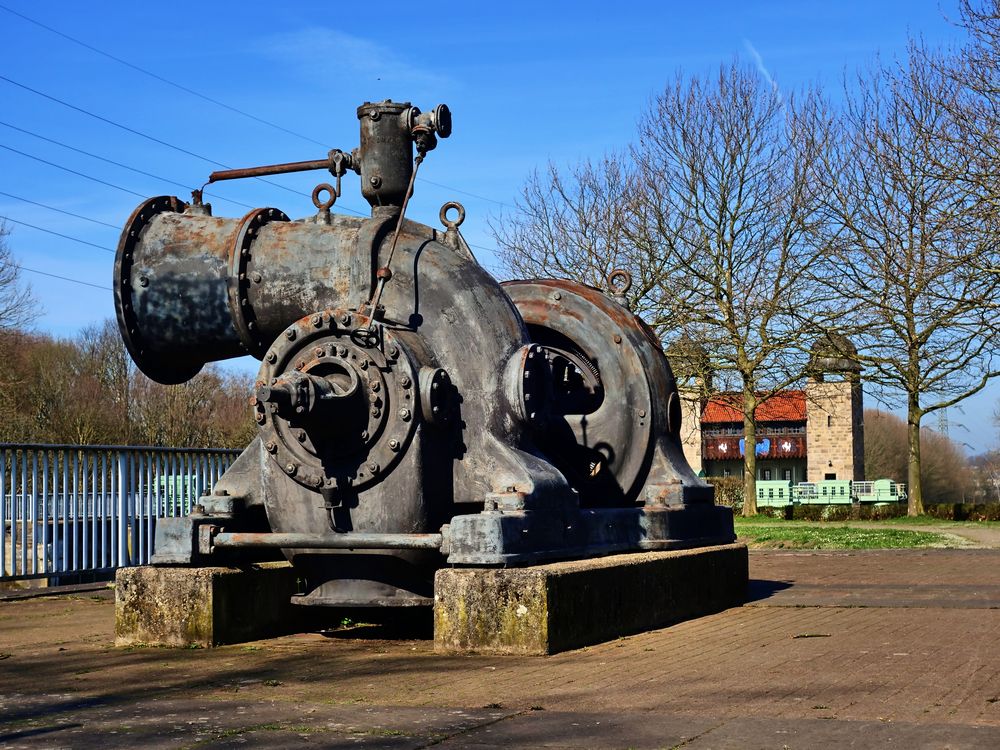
835	422
693	373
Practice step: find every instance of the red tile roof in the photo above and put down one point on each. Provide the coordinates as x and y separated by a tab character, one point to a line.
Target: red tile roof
786	406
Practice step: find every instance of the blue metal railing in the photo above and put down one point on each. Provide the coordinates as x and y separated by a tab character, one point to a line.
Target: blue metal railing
66	510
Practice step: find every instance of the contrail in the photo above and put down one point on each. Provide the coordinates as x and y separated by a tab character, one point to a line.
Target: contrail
759	63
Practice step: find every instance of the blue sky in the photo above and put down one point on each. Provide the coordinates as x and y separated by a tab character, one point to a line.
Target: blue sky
527	83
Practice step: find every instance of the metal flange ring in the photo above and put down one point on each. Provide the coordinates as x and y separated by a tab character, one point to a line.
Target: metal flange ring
242	313
125	303
372	433
449	223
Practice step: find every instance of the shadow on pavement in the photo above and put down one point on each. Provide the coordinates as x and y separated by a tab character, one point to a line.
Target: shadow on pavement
758	589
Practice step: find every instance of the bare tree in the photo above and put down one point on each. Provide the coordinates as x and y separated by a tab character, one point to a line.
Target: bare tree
713	211
17	304
729	169
911	242
945	472
574	224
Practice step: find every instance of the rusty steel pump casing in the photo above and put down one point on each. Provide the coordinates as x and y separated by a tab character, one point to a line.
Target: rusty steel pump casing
413	411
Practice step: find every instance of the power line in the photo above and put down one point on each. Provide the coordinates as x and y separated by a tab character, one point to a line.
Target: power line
119	164
72	171
167	81
466	192
57	234
64	278
60	210
133	131
209	99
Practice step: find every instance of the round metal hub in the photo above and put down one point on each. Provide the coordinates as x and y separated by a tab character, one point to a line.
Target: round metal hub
602	407
336	403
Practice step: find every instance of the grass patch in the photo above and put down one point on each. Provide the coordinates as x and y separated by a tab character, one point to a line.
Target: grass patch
931	521
761	536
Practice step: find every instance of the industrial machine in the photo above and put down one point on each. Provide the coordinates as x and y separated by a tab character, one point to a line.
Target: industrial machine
413	412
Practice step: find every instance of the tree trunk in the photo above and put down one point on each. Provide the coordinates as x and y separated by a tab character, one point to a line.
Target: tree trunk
749	457
914	491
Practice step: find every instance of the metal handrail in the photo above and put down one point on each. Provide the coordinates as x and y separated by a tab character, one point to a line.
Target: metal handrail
68	510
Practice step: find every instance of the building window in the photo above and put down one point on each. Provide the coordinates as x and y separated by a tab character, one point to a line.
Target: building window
726	472
767	474
787	475
829	420
829	476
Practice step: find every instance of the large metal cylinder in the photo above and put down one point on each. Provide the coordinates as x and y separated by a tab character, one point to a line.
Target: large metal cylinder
191	288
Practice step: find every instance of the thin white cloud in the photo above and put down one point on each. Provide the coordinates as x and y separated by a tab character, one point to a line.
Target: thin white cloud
762	69
331	55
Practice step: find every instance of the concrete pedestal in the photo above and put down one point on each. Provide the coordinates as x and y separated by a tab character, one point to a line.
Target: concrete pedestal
548	608
159	606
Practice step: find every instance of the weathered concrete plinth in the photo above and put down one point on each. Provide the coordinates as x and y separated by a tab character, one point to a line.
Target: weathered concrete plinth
160	606
549	608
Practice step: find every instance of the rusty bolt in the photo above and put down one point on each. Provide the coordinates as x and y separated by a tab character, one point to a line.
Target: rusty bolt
255	277
271	446
557	296
290	334
300	409
260	418
290	469
393	350
404	381
300	436
143	281
342	351
376	181
373	467
271	357
320	351
376	412
642	412
394	445
345	319
618	339
374	385
364	434
274	381
317	321
317	481
300	364
363	364
404	414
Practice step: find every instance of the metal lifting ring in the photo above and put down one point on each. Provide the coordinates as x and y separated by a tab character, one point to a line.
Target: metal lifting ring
324	205
619	281
443	215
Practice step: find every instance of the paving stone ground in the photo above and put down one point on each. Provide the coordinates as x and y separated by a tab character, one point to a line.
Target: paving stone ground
835	649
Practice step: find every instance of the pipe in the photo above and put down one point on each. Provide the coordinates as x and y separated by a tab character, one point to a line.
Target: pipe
348	540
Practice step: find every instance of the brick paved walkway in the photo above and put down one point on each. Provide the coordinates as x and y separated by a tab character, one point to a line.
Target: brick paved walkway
836	649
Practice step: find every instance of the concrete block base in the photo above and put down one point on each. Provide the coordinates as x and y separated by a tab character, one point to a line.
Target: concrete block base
549	608
205	607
